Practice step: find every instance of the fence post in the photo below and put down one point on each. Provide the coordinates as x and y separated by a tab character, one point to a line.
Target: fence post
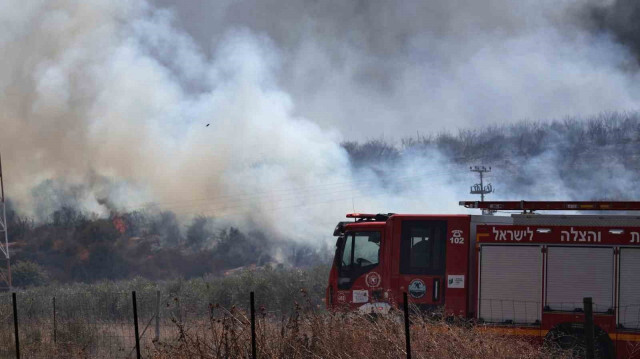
253	326
135	323
55	324
407	332
588	328
157	316
15	324
179	309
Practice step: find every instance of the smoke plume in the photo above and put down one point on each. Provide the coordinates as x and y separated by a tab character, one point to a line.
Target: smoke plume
237	109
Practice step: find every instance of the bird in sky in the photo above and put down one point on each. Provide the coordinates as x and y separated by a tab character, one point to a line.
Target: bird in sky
207	125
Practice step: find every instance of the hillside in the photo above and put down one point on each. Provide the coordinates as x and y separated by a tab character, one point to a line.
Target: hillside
74	246
575	159
578	159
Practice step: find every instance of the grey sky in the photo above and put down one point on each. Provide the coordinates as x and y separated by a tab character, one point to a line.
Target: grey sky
110	98
373	68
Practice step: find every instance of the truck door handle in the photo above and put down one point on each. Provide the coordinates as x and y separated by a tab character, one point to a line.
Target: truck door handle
436	289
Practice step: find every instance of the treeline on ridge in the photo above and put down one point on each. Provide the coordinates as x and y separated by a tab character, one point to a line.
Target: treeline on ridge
575	159
594	158
75	246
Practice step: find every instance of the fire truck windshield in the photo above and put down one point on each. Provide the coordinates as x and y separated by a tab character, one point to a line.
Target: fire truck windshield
358	255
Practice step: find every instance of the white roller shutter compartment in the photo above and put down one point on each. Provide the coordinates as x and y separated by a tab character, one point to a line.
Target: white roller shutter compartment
629	311
577	272
510	284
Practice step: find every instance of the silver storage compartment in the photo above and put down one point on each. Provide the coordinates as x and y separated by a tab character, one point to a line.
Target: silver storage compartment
510	284
629	299
577	272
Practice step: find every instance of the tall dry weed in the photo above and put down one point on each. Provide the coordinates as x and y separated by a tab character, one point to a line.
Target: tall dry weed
310	333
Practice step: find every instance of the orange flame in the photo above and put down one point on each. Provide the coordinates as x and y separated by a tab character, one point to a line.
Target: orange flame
119	224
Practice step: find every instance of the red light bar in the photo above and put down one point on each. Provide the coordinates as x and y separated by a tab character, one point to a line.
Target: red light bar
361	215
552	205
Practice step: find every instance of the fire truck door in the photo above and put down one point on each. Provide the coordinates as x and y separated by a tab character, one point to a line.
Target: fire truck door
422	261
629	305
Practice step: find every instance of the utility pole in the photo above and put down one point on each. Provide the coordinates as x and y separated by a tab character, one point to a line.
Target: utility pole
480	188
4	232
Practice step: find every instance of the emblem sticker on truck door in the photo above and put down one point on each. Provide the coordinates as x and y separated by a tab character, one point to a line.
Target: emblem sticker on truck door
455	281
373	279
417	288
360	296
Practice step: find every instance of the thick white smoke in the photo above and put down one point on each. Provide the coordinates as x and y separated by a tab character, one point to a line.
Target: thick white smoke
113	98
110	96
393	67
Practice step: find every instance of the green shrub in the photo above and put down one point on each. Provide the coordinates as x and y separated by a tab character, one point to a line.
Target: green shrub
25	273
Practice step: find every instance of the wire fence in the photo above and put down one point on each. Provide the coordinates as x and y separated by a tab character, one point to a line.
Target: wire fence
86	325
629	316
103	326
7	349
77	325
518	312
510	311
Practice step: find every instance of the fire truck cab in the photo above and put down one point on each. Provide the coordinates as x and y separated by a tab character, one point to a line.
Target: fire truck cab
525	274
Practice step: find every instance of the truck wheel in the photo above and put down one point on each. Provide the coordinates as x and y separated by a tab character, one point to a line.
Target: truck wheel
569	337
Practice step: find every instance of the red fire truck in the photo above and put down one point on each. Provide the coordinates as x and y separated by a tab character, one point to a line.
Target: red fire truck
525	274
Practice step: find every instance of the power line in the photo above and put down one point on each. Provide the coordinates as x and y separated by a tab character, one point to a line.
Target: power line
286	193
242	210
4	231
241	202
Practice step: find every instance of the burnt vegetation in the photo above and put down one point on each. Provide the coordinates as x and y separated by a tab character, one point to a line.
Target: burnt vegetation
615	133
573	159
75	246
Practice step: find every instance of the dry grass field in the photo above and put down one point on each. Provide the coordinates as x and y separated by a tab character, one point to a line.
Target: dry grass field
324	335
95	321
305	333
